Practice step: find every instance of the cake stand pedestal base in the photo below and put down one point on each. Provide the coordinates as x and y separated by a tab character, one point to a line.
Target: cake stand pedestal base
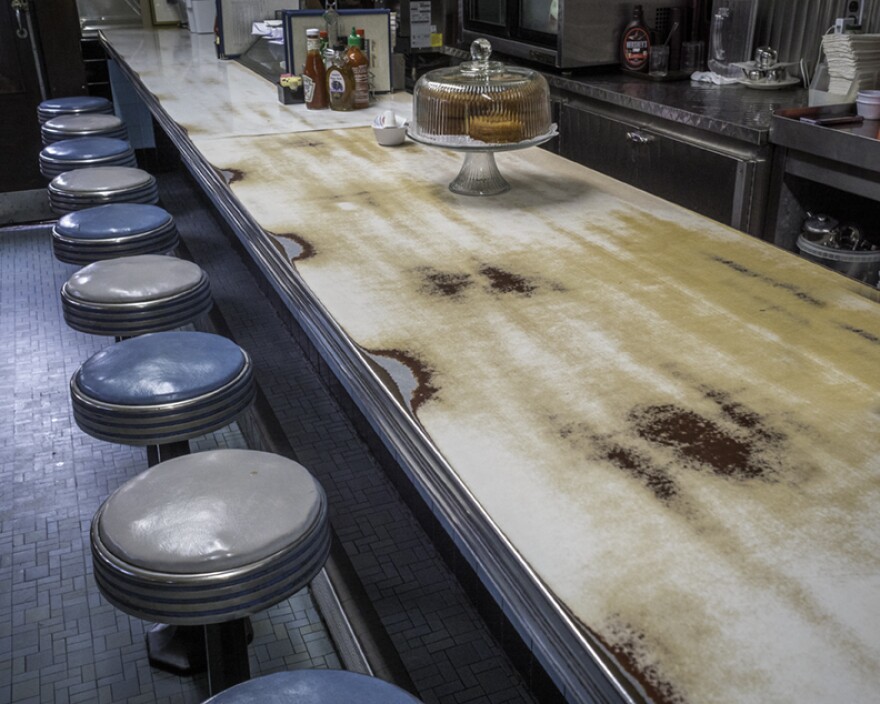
479	176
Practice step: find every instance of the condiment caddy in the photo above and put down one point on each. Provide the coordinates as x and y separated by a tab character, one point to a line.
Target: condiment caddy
335	79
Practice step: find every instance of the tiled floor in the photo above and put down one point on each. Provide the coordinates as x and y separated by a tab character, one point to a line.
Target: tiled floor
60	642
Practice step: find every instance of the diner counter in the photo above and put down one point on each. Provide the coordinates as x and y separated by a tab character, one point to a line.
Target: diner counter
655	438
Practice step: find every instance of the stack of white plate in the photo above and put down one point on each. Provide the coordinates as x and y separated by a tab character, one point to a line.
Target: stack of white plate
84	152
853	61
75	105
101	185
90	125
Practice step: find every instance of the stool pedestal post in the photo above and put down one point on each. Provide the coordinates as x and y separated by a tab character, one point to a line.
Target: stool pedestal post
226	645
166	451
179	650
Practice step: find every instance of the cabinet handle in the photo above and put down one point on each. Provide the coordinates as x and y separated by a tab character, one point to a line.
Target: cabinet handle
639	137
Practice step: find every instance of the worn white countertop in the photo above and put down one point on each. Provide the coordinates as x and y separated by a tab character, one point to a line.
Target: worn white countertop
676	426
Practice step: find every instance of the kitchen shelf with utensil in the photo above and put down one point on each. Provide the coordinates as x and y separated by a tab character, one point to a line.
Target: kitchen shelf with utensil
831	168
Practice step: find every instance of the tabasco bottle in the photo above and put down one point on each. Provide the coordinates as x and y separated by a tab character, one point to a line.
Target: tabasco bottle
635	43
360	69
314	74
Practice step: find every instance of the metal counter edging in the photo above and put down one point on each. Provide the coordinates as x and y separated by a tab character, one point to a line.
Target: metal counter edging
548	631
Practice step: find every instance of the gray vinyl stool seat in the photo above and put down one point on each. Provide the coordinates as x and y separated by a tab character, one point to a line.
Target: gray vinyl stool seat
113	230
101	185
136	295
162	388
314	687
211	538
83	125
73	105
84	152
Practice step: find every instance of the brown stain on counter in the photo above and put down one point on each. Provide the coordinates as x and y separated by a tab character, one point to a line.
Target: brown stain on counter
864	334
641	222
501	281
454	284
744	417
231	175
444	283
423	374
792	289
307	249
652	476
627	648
739	445
702	442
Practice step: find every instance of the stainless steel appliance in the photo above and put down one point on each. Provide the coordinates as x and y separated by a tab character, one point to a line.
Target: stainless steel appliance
560	33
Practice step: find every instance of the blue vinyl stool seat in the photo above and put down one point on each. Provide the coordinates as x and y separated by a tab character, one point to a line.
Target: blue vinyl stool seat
208	539
85	152
113	230
136	295
161	389
73	105
314	687
87	125
101	185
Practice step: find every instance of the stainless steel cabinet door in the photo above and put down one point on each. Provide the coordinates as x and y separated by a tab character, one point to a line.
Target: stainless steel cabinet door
715	182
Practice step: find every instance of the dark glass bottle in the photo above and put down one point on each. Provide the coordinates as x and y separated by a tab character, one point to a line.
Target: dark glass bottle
635	43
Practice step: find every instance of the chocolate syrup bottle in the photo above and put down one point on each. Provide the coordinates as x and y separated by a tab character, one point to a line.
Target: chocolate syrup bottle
635	43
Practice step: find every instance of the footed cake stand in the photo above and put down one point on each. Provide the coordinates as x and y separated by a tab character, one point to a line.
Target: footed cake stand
479	175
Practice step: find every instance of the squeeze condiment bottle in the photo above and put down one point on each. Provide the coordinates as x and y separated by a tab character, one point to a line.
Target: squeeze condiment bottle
360	70
635	43
340	83
314	74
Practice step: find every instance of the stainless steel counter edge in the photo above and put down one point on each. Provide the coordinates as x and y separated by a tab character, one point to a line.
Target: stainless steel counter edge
554	639
735	112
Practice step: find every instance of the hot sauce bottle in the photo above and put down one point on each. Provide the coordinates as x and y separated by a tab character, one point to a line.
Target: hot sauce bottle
314	74
360	68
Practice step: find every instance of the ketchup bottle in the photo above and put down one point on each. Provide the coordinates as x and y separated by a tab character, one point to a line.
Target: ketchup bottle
314	74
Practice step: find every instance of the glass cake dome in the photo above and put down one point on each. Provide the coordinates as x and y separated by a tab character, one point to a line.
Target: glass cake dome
481	101
481	107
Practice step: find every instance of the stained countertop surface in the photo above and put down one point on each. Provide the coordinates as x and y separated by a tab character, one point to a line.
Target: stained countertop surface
675	425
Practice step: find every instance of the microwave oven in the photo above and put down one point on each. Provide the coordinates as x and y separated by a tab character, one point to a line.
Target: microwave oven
560	33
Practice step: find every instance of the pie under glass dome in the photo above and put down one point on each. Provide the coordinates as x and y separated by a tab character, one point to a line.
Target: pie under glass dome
480	103
480	108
